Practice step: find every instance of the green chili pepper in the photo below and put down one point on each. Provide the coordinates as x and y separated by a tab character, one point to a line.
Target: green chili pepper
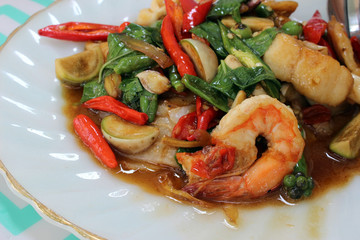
175	79
205	91
133	63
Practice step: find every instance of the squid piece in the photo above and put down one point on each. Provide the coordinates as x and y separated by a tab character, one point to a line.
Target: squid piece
342	45
318	77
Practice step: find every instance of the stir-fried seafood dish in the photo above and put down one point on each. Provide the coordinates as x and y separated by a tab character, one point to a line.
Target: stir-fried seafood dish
216	101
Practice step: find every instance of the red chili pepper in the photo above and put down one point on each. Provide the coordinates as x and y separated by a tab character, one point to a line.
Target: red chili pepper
92	137
187	5
175	12
196	16
315	28
123	26
79	31
110	104
182	61
316	114
324	43
204	116
185	127
355	43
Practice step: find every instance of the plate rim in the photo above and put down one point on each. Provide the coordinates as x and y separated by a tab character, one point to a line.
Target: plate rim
50	215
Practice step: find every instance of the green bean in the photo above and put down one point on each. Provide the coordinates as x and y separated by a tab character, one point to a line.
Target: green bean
175	79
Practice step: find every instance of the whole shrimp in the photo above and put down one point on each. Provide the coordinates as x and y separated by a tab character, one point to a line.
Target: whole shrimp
242	174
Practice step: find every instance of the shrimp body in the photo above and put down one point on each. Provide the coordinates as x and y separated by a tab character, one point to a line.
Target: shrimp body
251	177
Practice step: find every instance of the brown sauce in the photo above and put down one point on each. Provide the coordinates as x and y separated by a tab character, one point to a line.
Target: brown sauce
328	170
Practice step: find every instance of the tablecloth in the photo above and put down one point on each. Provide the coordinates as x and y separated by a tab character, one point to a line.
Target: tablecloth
18	219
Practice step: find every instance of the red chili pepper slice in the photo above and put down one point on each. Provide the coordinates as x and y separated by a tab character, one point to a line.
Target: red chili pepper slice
79	31
175	12
110	104
185	127
182	61
123	26
316	114
196	16
92	137
204	116
315	28
355	43
187	5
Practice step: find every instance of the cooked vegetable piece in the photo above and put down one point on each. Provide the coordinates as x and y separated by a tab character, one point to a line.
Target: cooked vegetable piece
93	89
149	104
347	141
112	85
80	67
196	15
154	82
138	32
292	28
110	104
205	91
315	28
148	49
224	84
91	135
129	64
174	142
202	56
211	32
175	15
175	79
128	137
224	7
182	61
242	31
263	11
131	90
185	127
79	31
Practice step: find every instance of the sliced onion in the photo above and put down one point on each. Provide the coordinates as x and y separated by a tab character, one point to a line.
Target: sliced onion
148	49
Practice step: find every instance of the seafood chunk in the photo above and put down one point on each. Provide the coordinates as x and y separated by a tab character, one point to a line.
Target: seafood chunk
342	45
243	175
318	77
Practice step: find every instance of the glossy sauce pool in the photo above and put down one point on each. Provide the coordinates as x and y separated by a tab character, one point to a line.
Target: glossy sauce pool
328	170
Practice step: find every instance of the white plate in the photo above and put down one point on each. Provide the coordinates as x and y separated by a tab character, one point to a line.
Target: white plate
43	157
